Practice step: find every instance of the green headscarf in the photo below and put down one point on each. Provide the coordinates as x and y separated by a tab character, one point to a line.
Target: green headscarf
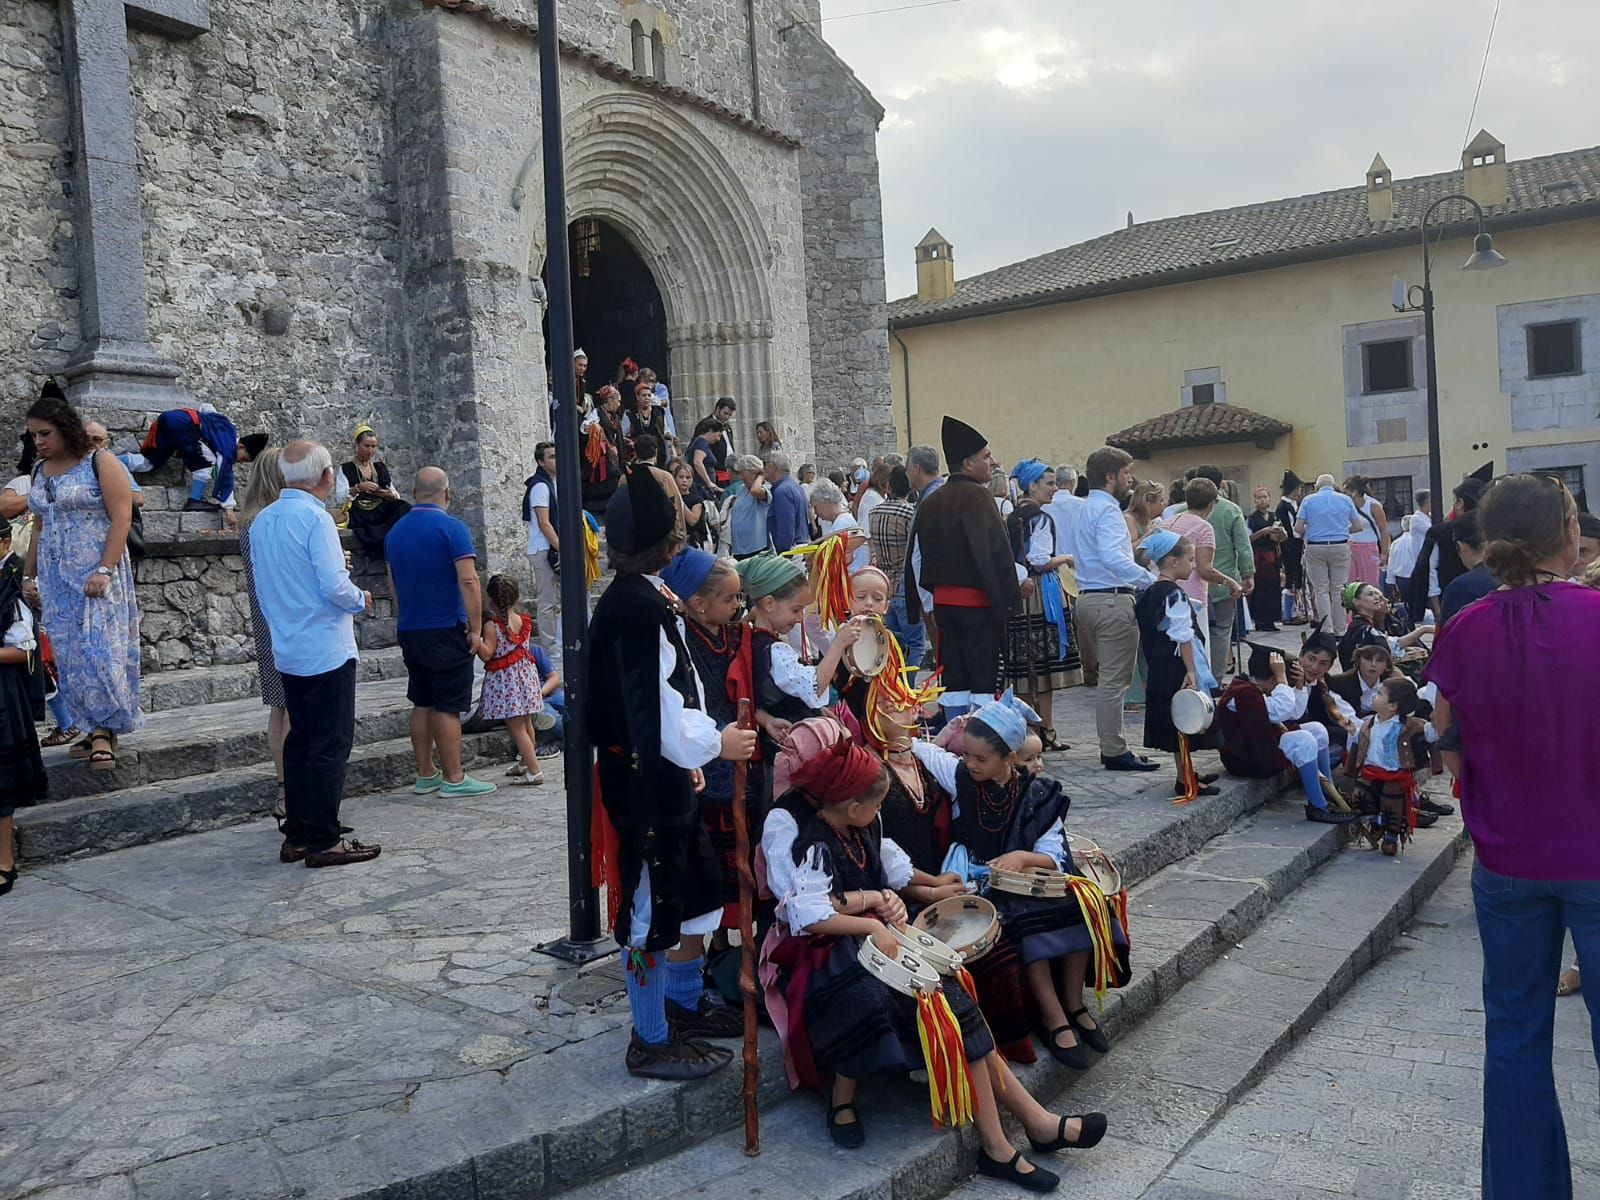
1347	596
767	573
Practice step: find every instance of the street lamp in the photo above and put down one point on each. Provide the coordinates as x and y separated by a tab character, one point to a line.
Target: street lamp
1484	258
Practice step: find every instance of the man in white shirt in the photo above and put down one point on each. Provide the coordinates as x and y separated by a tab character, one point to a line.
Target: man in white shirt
308	601
1064	508
1108	578
540	513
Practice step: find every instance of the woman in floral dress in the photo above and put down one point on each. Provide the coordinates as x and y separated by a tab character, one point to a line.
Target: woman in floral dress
78	569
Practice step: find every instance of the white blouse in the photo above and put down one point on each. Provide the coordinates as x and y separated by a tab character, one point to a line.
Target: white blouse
805	892
942	766
20	635
793	677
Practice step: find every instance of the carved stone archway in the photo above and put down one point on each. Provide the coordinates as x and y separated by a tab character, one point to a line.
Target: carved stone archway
643	167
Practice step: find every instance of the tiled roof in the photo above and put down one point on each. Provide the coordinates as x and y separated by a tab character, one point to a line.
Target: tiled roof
1557	187
1197	425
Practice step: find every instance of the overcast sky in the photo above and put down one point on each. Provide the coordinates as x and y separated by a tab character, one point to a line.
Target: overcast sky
1020	126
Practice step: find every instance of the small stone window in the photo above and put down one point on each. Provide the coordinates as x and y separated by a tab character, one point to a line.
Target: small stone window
1202	394
1386	366
658	56
641	49
1553	350
1486	159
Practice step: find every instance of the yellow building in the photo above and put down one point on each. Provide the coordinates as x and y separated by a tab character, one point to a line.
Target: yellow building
1266	337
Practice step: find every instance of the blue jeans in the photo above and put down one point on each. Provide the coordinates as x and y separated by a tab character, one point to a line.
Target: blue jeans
1521	923
910	634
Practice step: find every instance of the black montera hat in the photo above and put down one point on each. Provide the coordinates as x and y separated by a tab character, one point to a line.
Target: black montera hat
640	514
254	444
961	441
1319	639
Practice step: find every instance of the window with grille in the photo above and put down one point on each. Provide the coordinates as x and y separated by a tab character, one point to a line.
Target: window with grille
1571	476
1393	492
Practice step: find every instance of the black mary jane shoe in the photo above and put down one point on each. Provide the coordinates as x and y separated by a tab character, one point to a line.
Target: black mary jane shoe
1205	789
846	1137
1036	1180
1090	1035
8	880
1074	1056
1433	806
1091	1128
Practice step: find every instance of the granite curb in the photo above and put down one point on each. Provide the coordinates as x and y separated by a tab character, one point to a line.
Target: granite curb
160	691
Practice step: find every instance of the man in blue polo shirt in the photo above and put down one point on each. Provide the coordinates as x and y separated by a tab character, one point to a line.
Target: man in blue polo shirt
433	576
1327	519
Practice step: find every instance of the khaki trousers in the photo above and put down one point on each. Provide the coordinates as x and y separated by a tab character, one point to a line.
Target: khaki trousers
547	605
1327	571
1108	637
1219	638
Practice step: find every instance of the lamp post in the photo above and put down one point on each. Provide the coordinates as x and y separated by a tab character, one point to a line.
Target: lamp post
1484	257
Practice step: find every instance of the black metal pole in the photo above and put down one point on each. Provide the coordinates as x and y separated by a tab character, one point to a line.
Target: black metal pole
582	942
1435	450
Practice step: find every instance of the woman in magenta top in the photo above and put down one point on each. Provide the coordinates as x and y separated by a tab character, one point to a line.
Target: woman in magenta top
1518	674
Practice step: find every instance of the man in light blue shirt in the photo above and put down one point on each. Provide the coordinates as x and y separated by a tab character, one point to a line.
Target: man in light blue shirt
1108	578
1327	519
309	601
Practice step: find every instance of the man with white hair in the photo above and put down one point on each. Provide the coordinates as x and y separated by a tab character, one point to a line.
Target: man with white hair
1064	508
1327	519
308	601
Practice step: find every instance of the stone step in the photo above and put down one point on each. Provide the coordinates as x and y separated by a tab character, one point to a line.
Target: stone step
130	816
191	687
529	1130
204	739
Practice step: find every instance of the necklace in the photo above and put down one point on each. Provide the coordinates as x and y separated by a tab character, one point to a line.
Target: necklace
994	814
852	841
717	643
908	775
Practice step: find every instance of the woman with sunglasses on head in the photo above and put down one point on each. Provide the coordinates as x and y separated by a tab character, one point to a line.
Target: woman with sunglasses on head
78	569
1518	674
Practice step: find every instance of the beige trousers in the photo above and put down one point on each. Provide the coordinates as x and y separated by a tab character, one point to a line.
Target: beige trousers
1108	637
547	605
1327	571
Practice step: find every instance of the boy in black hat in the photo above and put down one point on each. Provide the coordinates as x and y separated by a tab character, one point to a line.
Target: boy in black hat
647	719
209	447
959	552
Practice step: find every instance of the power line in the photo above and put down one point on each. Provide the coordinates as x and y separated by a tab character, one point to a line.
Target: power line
873	12
1488	45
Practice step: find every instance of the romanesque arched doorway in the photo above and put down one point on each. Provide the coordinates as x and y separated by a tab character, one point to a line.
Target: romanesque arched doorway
617	310
641	168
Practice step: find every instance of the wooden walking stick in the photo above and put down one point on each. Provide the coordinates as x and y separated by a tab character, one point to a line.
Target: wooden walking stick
747	945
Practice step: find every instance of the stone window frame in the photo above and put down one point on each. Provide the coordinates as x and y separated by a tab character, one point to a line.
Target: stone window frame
1576	326
644	45
1203	377
1366	411
1366	365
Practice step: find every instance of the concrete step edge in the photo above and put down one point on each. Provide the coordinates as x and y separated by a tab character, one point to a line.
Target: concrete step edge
98	824
161	691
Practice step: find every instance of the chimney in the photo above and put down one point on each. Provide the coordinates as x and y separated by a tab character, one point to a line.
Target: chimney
936	268
1380	191
1483	170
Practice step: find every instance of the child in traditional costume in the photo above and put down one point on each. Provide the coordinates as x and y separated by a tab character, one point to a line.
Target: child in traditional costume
1172	638
1384	759
647	721
23	782
1319	704
707	588
835	876
1256	719
1007	819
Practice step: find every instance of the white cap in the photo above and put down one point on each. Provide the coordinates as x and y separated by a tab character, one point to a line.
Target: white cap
578	353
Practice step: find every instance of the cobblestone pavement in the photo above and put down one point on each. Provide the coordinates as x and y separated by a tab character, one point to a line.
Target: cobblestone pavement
1382	1100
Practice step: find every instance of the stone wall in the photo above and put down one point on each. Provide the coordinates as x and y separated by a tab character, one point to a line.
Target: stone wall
843	215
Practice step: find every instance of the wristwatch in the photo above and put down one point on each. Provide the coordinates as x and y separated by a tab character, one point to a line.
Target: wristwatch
106	571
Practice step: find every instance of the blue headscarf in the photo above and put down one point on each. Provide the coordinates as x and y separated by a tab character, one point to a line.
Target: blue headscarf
1159	544
1029	473
1009	718
686	574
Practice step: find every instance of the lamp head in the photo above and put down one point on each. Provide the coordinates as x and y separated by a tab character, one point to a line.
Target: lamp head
1484	256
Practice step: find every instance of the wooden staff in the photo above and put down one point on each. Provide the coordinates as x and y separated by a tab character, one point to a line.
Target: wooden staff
747	946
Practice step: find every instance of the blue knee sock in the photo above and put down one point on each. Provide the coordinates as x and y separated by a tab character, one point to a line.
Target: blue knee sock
1325	762
60	711
197	489
685	982
1312	783
647	994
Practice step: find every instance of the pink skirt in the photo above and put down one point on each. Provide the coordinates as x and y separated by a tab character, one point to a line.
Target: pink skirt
1364	563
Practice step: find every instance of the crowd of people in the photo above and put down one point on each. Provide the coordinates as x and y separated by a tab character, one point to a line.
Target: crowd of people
899	629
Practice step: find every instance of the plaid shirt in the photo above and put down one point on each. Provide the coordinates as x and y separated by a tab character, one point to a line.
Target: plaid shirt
889	526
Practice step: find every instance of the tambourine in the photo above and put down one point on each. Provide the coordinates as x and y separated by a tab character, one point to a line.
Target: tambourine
1038	882
942	957
906	973
969	925
1192	711
869	654
1094	863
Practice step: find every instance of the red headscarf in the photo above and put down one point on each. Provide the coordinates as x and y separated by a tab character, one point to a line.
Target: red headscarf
841	773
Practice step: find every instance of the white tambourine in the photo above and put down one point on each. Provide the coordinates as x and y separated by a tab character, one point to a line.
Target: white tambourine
969	925
1192	712
906	973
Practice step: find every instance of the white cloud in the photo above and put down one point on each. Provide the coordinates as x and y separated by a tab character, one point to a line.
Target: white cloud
1019	126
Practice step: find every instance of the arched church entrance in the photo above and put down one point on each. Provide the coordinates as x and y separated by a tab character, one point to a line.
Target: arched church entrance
617	311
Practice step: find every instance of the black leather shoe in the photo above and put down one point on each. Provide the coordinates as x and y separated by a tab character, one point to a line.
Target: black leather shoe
1075	1056
1090	1035
1036	1180
1426	820
674	1060
846	1137
1433	806
708	1021
1092	1127
1205	789
342	854
1128	761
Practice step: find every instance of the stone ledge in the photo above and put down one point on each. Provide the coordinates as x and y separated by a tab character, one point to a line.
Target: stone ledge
190	687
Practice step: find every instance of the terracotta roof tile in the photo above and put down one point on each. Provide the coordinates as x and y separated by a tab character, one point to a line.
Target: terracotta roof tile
1257	236
1197	425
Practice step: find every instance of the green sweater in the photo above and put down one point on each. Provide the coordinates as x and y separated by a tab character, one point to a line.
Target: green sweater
1234	558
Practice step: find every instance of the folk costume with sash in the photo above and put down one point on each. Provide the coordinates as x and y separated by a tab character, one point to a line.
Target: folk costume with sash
990	819
1040	653
1385	757
960	555
23	782
832	1015
647	721
207	444
371	517
768	668
1259	734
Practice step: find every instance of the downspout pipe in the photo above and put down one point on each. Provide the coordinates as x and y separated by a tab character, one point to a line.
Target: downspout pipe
755	61
905	367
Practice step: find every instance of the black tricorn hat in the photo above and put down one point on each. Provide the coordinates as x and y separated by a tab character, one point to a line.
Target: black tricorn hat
1291	481
51	390
1260	664
1319	639
1485	472
641	513
961	441
254	444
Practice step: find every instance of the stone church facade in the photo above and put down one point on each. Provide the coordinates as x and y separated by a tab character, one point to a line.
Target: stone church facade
338	216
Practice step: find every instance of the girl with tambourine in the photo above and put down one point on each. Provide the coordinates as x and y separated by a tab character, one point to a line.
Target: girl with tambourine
1006	819
836	877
